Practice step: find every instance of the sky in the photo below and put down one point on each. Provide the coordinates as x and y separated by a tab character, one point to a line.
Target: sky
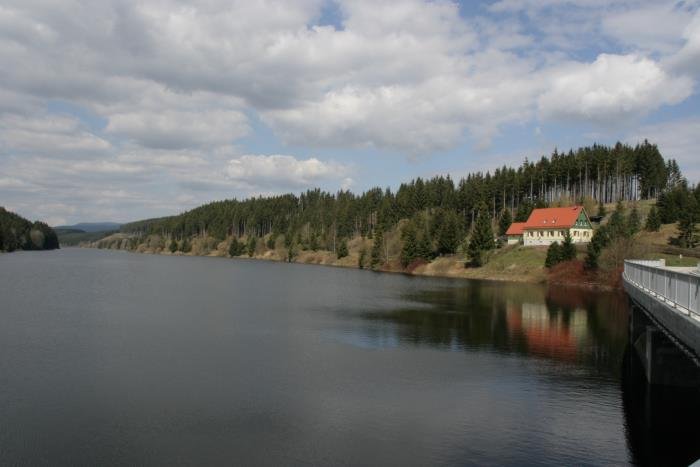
124	110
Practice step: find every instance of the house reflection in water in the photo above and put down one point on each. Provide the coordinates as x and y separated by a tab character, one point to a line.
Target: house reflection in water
548	333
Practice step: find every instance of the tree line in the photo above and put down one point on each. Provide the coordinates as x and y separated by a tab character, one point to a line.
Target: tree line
440	211
17	233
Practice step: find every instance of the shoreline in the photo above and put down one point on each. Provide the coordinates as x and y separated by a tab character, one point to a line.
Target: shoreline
452	268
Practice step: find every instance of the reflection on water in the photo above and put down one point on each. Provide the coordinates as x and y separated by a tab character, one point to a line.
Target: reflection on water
566	325
149	360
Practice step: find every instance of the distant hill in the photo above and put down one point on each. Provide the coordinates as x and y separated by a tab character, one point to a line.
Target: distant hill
17	233
90	227
73	235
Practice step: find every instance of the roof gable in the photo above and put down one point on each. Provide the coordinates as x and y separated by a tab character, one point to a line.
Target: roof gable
516	228
553	218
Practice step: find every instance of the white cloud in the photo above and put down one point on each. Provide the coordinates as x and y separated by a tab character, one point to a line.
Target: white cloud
611	88
48	135
164	91
687	59
282	171
656	27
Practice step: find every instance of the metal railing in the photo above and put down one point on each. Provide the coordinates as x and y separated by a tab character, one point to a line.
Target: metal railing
679	289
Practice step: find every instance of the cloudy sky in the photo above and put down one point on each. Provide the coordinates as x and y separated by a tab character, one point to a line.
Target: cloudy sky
121	110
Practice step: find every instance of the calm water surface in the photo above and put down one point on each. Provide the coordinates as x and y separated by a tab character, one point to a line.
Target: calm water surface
117	358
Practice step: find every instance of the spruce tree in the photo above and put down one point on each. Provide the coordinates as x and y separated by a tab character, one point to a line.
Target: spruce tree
554	255
362	258
234	249
568	249
687	228
313	241
633	221
482	238
377	247
523	212
504	222
289	239
186	246
653	223
617	224
342	251
448	235
592	255
252	244
409	250
601	239
424	249
173	246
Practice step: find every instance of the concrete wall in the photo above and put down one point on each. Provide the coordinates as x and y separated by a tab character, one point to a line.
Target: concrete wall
685	328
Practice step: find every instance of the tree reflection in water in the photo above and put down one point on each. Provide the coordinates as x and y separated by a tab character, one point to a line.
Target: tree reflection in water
578	327
567	325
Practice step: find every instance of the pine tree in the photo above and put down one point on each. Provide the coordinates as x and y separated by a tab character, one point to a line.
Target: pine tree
377	247
568	249
424	249
633	221
173	246
313	241
592	255
271	241
687	228
504	222
409	250
617	225
362	258
186	246
523	212
252	244
289	239
342	251
482	238
448	235
234	249
601	239
653	223
554	255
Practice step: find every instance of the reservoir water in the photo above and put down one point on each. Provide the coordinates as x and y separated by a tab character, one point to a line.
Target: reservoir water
113	358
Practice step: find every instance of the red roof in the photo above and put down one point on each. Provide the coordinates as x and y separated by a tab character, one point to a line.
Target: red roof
553	218
516	228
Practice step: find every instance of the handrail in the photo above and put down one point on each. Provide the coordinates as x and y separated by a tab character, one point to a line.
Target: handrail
677	288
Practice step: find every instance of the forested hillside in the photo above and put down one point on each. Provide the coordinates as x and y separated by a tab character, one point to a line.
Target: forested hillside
17	233
438	205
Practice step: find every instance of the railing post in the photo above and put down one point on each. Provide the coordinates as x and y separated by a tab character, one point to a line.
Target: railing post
675	295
